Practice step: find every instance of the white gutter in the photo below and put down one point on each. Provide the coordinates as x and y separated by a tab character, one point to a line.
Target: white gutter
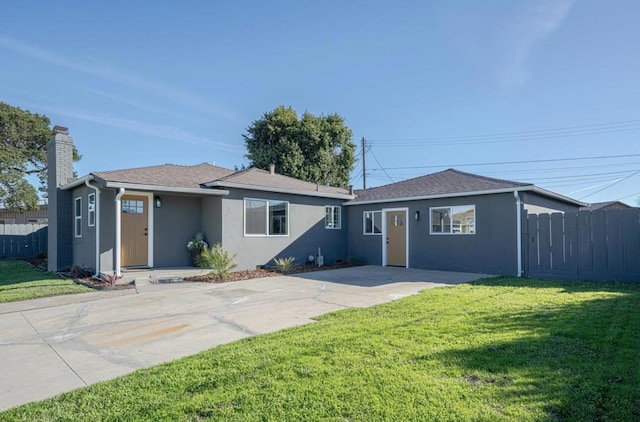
97	224
518	231
280	190
118	234
169	189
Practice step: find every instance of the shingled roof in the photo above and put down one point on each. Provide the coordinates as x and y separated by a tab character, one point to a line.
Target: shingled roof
446	182
255	177
171	175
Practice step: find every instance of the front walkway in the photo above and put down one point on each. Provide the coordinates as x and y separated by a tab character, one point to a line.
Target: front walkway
61	346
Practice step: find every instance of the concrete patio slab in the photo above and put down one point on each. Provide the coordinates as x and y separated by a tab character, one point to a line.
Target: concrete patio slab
49	347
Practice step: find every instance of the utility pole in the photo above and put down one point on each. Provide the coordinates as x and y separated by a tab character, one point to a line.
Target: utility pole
364	165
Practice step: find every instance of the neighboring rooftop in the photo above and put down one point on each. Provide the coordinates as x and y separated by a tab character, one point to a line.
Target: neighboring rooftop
446	182
609	205
255	177
171	175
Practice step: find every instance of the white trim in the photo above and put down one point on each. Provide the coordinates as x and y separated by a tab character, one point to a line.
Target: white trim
519	231
279	190
118	241
96	216
77	217
475	193
339	226
77	182
244	218
373	223
451	233
384	234
89	210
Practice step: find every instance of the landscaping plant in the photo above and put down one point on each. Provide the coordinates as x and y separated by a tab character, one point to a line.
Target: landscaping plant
218	259
284	265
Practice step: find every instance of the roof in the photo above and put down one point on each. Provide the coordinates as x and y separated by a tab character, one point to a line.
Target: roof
609	205
200	179
446	182
255	178
170	175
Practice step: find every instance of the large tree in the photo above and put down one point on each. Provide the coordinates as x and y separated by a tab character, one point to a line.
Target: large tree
313	148
23	142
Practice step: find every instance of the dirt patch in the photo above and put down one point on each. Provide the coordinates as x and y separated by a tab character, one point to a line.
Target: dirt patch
102	285
261	273
37	263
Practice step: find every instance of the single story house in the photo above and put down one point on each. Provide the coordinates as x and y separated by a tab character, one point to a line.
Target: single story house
38	216
608	205
144	217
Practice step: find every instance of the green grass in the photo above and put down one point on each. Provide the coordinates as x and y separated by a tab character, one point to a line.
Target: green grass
500	349
20	281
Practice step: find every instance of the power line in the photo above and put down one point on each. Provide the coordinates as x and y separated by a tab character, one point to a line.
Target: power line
614	183
582	130
385	171
552	160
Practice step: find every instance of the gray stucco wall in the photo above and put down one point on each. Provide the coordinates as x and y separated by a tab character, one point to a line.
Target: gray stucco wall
107	229
212	219
175	223
492	249
84	247
307	231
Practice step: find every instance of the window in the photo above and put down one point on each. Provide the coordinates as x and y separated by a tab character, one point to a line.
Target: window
453	220
78	217
332	217
91	209
266	218
372	222
132	206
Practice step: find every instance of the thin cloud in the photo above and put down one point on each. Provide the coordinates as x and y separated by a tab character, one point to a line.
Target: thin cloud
161	131
539	21
115	75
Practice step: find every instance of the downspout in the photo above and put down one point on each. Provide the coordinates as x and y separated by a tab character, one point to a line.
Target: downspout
118	234
97	224
519	230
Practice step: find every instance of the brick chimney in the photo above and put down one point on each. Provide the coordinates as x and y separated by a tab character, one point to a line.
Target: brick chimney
59	173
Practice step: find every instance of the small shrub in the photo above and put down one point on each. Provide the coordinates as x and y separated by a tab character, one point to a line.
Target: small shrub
284	265
109	279
77	271
352	262
218	259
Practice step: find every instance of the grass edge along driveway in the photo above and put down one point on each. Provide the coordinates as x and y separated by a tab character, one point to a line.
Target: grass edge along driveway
20	281
496	349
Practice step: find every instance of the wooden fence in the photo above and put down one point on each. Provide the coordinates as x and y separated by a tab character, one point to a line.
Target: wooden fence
23	240
585	245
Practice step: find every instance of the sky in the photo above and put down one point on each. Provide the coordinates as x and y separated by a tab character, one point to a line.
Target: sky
538	91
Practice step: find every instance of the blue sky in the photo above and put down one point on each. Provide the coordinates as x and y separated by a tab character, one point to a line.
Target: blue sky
430	85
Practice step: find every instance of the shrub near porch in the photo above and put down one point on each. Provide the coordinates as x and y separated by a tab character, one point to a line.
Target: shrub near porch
505	349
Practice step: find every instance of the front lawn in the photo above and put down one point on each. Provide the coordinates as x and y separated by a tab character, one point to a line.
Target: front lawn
500	349
20	281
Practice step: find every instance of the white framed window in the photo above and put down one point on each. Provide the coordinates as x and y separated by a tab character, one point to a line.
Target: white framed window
78	217
266	217
372	222
460	219
333	217
91	209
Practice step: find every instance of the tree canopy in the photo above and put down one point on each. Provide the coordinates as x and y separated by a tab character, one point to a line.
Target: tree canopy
313	148
23	143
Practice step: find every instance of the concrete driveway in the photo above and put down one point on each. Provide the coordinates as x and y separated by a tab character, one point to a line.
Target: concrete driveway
49	346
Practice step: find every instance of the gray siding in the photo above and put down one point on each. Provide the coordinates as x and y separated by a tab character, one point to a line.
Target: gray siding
307	231
107	229
175	223
537	204
492	249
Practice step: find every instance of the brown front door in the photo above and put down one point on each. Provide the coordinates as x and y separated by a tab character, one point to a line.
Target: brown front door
396	238
134	230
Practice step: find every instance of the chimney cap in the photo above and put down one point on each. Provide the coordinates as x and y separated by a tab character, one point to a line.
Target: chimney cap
61	130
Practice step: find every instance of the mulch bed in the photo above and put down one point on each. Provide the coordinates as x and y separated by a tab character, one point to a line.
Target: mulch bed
261	273
103	285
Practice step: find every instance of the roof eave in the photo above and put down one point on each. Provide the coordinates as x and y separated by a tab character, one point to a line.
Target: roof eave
280	190
77	182
554	195
443	195
167	189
